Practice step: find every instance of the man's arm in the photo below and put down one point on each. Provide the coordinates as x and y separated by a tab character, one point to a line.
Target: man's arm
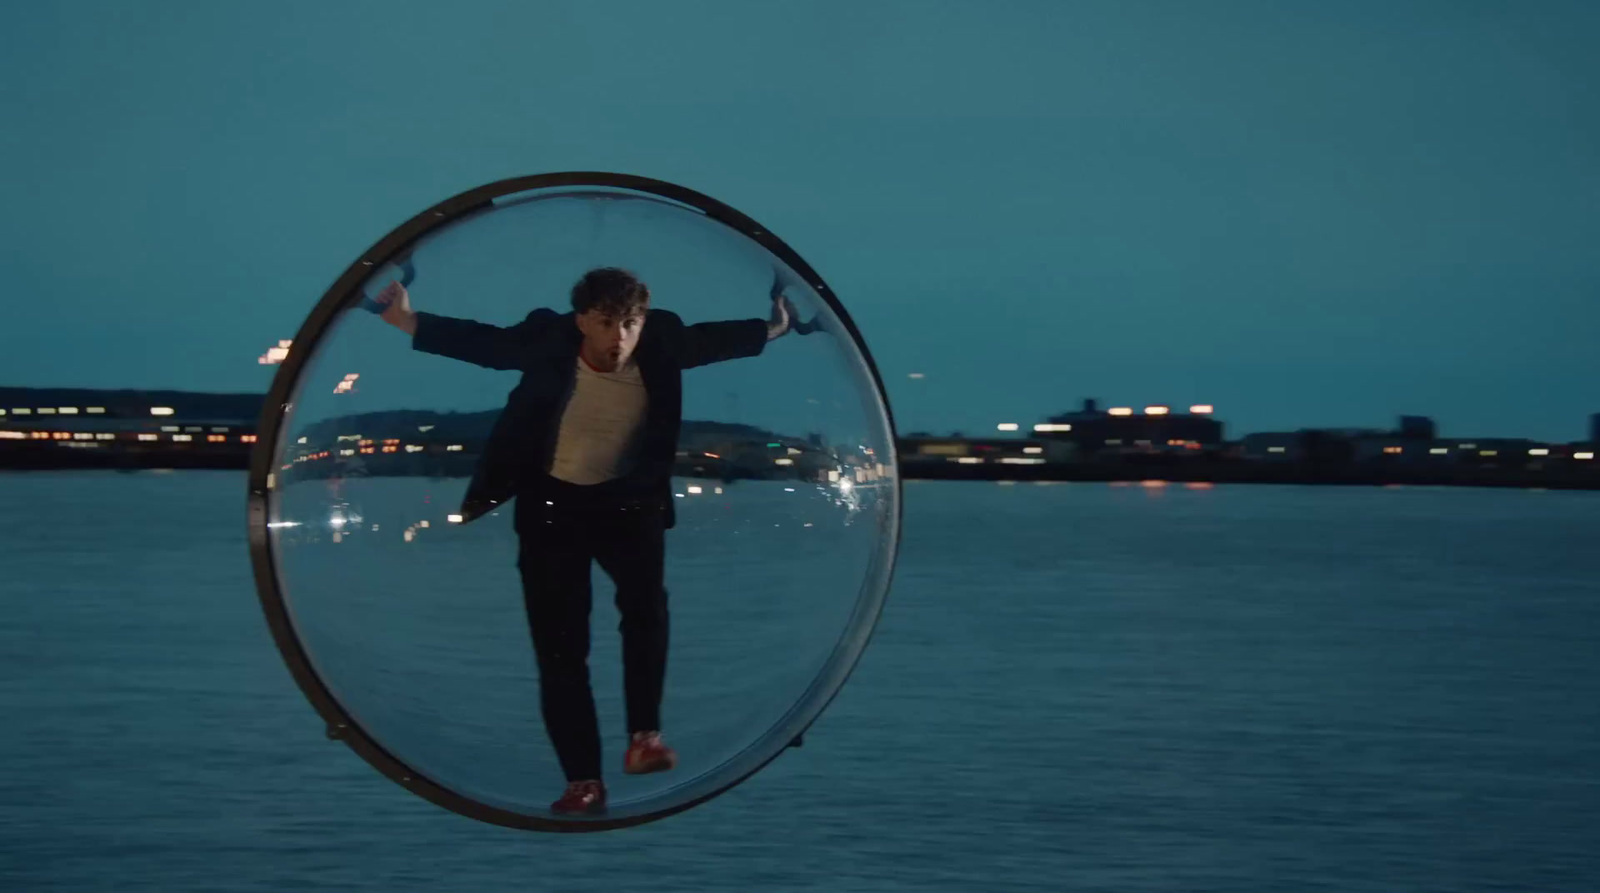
713	342
482	344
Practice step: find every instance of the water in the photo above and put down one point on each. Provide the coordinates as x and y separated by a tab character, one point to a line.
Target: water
422	635
1073	687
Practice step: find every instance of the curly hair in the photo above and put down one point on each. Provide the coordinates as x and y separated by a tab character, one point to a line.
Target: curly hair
610	290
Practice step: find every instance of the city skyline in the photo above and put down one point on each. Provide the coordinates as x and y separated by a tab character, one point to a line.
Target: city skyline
14	413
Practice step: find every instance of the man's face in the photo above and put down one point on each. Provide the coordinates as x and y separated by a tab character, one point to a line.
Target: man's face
609	336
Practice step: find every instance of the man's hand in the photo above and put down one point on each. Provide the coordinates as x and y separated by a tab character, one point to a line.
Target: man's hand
396	304
782	318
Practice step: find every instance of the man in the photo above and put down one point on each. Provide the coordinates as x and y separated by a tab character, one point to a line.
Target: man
587	439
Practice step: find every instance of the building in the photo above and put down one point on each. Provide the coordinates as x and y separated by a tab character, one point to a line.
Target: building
925	449
1123	429
1417	428
83	427
1273	446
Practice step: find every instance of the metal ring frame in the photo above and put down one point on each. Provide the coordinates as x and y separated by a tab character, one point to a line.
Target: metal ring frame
271	431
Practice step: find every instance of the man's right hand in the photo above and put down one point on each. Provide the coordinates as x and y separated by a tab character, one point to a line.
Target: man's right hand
396	304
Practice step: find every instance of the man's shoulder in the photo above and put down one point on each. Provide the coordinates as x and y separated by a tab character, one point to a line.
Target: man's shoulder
540	315
658	316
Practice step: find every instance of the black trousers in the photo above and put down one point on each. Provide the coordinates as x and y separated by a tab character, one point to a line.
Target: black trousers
561	528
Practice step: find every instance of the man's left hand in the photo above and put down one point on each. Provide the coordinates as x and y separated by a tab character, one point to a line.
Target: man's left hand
782	318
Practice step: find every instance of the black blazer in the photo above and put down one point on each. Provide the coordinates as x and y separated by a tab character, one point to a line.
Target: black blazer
544	348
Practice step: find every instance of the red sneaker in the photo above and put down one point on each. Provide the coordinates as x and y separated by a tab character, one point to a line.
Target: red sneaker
647	754
581	798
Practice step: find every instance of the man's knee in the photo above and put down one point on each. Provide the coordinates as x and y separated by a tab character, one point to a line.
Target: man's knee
643	609
562	665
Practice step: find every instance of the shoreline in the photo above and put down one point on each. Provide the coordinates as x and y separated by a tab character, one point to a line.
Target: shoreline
1194	472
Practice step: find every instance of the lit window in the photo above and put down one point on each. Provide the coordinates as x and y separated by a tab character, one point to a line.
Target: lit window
1393	450
67	410
1439	451
1051	428
1033	449
13	435
247	438
1488	452
95	410
148	437
183	438
216	438
1583	455
47	410
1156	410
1202	409
22	412
694	489
783	461
413	448
219	430
169	428
1120	410
105	437
82	435
1539	452
452	518
161	410
1006	426
454	448
1277	449
969	460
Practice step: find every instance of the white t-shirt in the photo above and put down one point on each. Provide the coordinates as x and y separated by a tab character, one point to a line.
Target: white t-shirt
601	427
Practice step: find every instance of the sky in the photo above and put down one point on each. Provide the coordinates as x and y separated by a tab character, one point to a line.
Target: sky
1304	214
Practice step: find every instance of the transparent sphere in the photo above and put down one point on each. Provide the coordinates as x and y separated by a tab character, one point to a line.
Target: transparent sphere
407	628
